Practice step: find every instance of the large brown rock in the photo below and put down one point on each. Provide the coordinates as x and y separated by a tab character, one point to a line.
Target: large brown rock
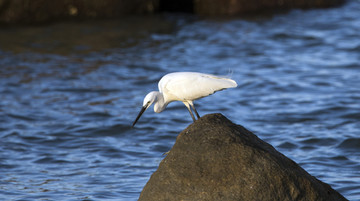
214	159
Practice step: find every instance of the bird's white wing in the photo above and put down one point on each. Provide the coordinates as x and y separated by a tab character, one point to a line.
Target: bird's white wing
191	86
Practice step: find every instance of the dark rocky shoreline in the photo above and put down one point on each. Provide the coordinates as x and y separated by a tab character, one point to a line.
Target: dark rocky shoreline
43	11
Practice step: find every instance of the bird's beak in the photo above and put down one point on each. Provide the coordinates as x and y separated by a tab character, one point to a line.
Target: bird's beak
140	113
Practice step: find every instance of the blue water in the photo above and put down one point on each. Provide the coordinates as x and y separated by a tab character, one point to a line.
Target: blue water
69	93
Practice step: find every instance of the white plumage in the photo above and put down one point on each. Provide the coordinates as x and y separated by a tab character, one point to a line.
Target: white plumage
184	87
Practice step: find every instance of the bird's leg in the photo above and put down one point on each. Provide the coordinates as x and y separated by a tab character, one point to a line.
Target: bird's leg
188	107
193	107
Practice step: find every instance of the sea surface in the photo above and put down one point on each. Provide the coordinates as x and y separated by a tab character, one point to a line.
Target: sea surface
70	91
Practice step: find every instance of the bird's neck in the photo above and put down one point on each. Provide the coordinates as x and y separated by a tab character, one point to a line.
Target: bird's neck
160	103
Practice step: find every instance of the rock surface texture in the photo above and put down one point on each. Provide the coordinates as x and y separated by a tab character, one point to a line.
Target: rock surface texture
214	159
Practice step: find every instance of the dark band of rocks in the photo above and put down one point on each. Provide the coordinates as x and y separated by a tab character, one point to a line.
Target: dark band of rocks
41	11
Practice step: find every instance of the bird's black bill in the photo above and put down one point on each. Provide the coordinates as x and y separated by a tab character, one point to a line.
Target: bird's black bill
139	115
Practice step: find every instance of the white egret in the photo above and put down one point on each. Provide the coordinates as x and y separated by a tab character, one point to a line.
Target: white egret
184	87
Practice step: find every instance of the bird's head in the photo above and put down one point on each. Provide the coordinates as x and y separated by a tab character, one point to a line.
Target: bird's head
149	99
